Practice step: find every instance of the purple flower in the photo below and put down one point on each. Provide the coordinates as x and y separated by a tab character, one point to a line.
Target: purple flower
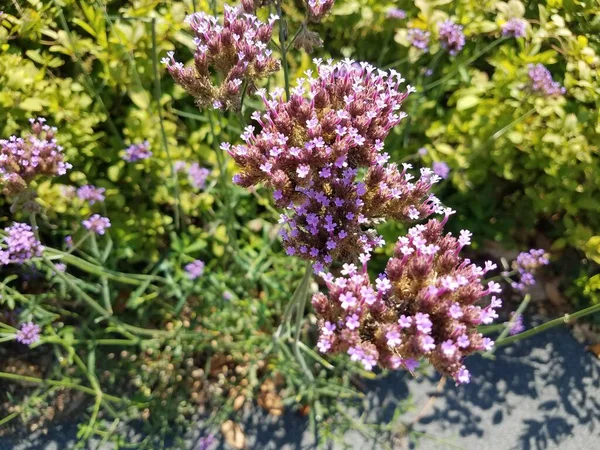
419	38
97	224
21	244
137	152
542	82
451	37
23	159
430	311
198	175
515	27
396	13
317	9
28	334
195	269
235	52
525	265
91	194
333	125
441	169
422	151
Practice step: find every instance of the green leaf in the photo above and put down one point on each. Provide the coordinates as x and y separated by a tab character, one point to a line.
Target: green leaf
467	102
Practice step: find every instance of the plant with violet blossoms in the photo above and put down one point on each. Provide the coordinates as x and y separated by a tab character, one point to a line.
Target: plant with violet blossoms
237	51
310	150
424	306
22	159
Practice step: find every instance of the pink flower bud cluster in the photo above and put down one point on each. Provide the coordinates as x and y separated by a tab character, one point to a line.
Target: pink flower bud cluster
249	6
137	152
91	194
28	334
236	51
317	9
21	244
23	159
424	306
97	224
310	150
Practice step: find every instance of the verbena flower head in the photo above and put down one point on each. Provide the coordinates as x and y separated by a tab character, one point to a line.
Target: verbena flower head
423	306
310	150
28	334
451	37
515	27
250	6
91	194
137	152
23	159
237	51
97	224
21	244
419	38
396	13
317	9
195	269
526	264
441	169
198	175
542	82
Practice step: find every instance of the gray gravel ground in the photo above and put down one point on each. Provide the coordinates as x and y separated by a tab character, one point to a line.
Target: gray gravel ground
543	393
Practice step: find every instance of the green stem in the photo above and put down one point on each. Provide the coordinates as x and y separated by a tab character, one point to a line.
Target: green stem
548	325
287	314
157	96
509	325
86	77
283	50
105	289
121	277
301	306
466	63
229	215
62	383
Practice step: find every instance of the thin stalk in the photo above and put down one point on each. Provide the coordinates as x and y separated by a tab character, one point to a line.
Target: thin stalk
548	325
62	383
299	319
87	78
86	266
282	49
508	326
157	96
287	314
105	289
466	63
229	216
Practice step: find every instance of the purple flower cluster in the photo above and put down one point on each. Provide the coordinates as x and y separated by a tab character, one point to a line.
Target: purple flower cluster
250	6
424	306
441	169
317	9
22	159
419	38
396	13
451	37
21	244
97	224
198	175
137	152
91	194
29	333
195	269
237	51
526	264
515	27
542	82
310	150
